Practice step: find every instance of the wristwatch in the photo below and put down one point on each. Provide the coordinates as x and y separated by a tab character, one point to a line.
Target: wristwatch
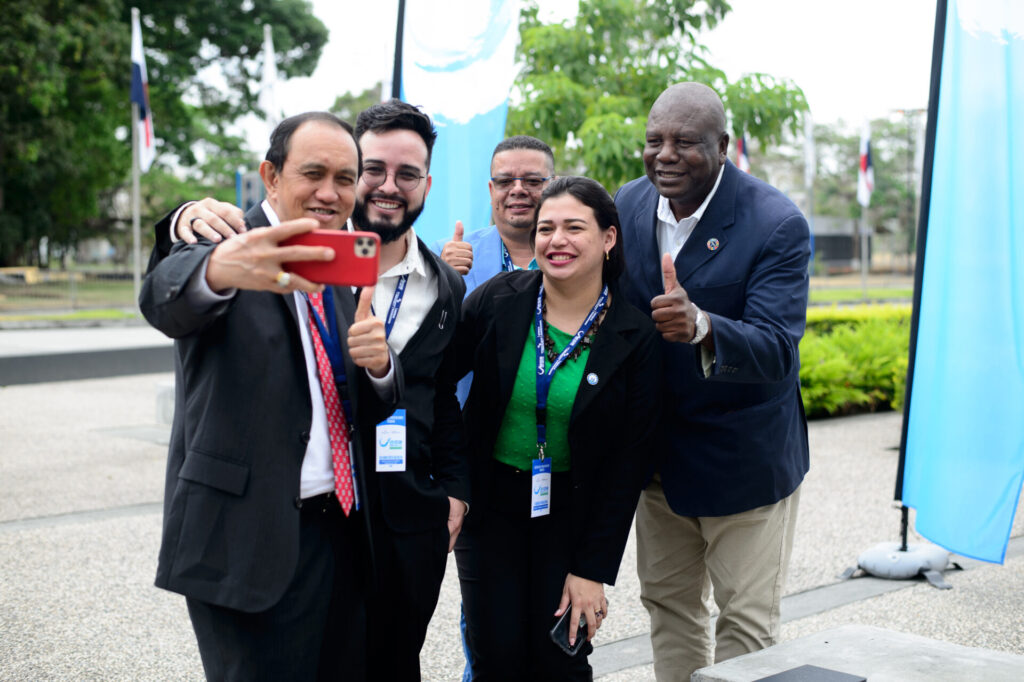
701	325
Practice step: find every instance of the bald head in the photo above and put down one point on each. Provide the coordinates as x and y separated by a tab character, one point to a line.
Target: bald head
697	99
686	145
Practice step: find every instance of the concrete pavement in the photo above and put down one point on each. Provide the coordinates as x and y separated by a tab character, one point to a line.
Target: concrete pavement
81	476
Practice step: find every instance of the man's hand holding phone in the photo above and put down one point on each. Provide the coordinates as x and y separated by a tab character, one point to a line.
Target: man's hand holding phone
256	260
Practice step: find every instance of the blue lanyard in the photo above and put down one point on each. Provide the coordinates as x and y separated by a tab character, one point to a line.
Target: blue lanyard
506	260
544	377
396	303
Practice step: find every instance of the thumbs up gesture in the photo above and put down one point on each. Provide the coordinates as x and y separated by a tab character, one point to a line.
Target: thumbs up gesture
673	313
367	342
457	253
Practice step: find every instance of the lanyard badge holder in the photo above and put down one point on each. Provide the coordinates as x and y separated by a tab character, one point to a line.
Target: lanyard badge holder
540	496
391	433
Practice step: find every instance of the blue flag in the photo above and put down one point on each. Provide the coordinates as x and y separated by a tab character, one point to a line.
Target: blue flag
964	443
460	72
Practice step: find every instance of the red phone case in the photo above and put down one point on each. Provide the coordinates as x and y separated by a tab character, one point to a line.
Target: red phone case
356	255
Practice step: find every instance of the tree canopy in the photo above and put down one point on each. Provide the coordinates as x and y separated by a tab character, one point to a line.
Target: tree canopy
65	152
586	86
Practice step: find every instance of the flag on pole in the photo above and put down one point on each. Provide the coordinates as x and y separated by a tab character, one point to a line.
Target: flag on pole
268	100
866	170
461	74
963	463
742	160
140	96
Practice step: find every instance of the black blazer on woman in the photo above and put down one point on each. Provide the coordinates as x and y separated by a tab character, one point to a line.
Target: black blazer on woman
612	422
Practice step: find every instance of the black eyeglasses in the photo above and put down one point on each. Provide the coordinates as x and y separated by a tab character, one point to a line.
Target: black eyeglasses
406	179
531	182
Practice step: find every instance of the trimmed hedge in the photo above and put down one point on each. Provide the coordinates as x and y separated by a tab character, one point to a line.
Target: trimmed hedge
854	359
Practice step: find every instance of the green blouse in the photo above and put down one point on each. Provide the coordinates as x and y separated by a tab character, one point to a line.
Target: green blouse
517	438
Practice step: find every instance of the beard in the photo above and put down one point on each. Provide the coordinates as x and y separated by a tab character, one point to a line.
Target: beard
385	230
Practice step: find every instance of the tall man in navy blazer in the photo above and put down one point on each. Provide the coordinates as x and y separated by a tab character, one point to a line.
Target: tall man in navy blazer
720	258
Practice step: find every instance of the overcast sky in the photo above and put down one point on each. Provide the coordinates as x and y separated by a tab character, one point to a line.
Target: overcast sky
853	60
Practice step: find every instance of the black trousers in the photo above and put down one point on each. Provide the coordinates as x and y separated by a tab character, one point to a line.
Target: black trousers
409	571
317	630
512	570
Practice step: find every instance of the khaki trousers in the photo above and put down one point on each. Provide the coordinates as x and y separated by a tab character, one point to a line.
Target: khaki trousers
743	557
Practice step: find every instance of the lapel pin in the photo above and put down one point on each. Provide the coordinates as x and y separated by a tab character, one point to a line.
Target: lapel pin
592	379
713	244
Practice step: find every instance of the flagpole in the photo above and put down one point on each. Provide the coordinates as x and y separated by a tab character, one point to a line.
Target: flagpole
398	38
922	237
136	245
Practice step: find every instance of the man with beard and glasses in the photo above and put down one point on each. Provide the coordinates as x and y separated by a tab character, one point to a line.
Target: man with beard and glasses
417	506
422	507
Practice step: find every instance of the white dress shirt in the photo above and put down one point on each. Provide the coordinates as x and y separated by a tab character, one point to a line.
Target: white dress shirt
672	233
317	475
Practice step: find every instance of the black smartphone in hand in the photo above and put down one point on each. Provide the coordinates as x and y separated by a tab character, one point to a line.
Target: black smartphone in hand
560	633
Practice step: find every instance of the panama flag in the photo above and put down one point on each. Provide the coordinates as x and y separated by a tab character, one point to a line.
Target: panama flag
866	170
964	420
140	96
742	160
460	71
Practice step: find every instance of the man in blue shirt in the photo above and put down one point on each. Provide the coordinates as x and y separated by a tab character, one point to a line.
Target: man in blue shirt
521	167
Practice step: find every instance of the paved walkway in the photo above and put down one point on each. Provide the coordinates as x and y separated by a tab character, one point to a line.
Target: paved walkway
81	475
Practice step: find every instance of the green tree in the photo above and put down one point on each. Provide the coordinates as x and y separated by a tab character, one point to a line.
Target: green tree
60	103
64	107
586	87
348	106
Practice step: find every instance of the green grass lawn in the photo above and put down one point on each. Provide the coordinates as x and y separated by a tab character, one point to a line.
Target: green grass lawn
846	295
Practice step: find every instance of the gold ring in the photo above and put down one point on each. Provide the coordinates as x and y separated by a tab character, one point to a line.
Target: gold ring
283	279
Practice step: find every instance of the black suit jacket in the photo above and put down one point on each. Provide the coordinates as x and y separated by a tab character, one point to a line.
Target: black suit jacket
436	465
241	424
612	421
737	439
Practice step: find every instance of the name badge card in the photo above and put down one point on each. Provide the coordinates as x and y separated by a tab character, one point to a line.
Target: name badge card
540	497
391	443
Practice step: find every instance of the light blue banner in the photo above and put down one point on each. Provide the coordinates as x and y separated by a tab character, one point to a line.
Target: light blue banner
965	434
460	72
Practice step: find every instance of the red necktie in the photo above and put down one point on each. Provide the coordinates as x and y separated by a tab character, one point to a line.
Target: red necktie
336	424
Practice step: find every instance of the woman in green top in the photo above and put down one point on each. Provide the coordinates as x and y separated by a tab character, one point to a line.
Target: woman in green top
560	420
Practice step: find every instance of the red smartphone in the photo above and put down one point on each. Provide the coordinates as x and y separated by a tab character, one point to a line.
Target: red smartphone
356	255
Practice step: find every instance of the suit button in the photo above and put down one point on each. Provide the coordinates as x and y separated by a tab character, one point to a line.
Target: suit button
298	503
304	437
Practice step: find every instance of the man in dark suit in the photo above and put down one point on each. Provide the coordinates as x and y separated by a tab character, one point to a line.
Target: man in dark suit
424	500
720	258
267	505
424	496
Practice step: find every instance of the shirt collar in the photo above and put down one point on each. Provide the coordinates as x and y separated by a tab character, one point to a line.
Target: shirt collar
665	213
270	213
413	261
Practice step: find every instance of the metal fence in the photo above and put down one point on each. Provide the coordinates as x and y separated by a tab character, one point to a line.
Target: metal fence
32	289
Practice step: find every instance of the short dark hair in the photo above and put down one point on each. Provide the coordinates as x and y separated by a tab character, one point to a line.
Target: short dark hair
281	138
525	142
590	193
397	115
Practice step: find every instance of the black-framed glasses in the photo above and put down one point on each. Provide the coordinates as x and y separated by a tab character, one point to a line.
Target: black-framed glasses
405	178
532	182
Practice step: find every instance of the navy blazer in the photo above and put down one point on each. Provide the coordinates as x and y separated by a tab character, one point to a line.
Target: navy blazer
611	426
737	439
242	416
